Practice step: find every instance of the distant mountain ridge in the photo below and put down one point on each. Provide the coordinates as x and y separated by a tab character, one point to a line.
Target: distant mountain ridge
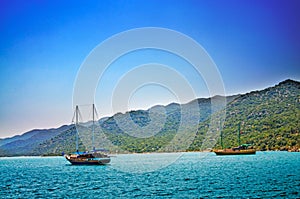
25	143
269	117
19	137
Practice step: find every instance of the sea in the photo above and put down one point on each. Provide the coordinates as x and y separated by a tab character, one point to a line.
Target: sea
157	175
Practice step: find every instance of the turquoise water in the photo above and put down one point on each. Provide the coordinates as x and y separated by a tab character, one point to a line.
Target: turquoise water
193	175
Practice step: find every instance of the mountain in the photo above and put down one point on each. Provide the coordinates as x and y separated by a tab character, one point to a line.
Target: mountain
25	144
19	137
165	121
269	120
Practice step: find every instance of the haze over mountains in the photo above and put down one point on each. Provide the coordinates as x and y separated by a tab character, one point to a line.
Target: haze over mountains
269	120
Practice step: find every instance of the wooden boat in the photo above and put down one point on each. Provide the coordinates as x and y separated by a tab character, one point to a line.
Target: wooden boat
235	151
88	158
93	157
240	150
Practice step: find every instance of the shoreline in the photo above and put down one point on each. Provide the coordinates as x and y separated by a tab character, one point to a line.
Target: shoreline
115	154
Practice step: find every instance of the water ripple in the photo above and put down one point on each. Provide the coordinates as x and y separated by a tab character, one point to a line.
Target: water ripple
265	175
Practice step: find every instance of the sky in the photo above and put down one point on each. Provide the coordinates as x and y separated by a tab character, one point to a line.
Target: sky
254	44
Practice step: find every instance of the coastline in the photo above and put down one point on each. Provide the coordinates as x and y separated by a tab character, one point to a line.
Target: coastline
145	153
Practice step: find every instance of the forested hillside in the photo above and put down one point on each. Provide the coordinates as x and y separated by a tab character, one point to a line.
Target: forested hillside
269	121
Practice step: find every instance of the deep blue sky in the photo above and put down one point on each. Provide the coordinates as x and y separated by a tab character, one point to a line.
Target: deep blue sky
254	43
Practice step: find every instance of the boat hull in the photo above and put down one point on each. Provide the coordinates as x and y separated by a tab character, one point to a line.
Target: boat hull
235	152
88	161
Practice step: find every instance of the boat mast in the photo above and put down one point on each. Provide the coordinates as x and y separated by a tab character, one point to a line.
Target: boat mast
93	138
76	114
221	135
239	134
222	139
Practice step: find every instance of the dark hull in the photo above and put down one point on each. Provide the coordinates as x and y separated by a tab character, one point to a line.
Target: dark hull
87	159
89	162
235	152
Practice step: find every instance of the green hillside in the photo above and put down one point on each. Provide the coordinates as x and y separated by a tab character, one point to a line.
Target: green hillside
269	121
110	136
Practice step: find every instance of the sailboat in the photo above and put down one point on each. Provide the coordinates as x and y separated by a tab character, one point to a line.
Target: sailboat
242	149
93	157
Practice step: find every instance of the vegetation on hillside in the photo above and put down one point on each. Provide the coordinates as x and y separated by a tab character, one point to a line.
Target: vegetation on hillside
269	121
